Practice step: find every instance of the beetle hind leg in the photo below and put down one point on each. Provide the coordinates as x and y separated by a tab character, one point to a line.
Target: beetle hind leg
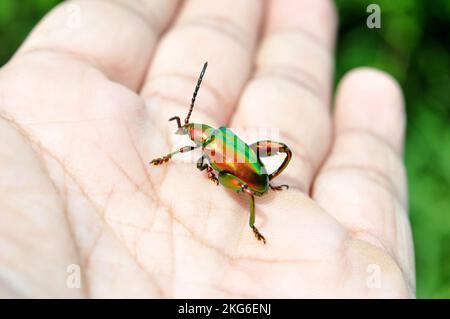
278	187
268	148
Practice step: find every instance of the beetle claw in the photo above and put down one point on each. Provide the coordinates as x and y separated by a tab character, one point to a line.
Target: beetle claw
279	187
160	160
214	179
212	176
258	234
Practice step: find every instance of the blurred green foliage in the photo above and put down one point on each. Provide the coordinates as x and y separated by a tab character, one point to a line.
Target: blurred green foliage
413	45
17	18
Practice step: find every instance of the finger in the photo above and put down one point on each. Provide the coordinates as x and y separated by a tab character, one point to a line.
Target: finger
363	181
291	86
205	31
117	37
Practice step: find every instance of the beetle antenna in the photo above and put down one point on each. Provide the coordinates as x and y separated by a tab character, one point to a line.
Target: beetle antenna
197	87
177	118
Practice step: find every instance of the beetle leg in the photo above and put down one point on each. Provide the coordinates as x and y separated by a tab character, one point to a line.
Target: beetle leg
200	163
212	176
278	187
202	166
234	183
166	158
251	200
269	148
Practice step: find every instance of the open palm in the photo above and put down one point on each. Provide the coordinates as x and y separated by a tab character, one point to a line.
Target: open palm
84	106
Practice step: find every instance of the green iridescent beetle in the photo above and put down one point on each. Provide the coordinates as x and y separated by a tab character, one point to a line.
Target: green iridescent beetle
238	166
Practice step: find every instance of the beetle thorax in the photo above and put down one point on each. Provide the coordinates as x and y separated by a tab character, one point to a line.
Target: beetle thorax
200	133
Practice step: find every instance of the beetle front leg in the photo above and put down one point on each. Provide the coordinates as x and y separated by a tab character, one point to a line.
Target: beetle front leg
251	200
166	158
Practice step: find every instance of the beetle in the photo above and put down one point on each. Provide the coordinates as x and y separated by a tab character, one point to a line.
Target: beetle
221	149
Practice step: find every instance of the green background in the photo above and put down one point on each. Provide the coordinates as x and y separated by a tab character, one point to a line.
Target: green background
413	45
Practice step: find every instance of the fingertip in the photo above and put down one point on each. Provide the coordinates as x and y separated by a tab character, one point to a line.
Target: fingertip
317	18
371	100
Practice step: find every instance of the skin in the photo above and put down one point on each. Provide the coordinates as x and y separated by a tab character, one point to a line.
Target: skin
83	110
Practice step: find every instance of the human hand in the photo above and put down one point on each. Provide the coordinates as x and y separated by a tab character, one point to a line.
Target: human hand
84	108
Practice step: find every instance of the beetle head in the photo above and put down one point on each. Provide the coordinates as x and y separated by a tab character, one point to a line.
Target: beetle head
182	129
